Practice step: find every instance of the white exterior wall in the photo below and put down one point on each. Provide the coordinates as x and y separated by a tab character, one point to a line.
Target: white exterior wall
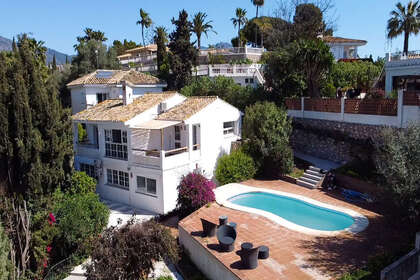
212	268
167	171
408	67
83	97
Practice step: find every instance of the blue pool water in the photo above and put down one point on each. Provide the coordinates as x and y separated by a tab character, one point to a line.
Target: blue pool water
295	211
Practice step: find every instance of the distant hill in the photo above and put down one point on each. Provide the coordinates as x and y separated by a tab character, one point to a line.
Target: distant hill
6	45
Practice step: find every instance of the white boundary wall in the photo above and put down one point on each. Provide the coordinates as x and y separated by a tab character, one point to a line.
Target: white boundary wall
405	115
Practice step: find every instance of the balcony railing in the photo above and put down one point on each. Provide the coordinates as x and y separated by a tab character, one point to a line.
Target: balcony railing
402	56
88	145
160	158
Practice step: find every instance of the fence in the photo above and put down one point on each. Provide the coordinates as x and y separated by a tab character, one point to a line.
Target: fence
405	267
332	105
379	111
384	107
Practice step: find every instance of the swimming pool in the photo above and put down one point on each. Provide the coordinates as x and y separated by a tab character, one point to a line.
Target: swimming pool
295	211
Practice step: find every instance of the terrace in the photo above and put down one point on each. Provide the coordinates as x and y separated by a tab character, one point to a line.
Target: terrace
293	255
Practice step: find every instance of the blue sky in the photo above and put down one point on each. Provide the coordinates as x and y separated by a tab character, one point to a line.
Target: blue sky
59	22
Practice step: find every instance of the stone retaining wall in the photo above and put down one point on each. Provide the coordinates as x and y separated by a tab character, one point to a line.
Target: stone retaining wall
332	140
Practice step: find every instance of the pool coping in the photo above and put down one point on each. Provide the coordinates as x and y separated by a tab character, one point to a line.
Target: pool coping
225	192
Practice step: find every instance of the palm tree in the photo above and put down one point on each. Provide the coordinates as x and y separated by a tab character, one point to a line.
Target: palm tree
404	20
238	21
200	26
145	22
257	3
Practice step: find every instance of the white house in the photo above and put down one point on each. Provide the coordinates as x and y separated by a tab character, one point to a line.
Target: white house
101	85
402	71
343	48
139	149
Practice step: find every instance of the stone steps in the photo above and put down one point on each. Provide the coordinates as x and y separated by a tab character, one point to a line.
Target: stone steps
311	178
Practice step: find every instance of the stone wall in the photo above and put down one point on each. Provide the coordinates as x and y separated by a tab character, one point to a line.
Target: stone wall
332	140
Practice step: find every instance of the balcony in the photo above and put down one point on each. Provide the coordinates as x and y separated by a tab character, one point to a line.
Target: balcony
163	159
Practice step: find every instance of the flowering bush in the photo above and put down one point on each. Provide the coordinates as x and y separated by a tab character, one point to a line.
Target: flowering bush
194	191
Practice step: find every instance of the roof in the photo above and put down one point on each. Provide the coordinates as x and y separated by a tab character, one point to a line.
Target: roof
113	110
156	124
186	109
338	40
113	77
151	47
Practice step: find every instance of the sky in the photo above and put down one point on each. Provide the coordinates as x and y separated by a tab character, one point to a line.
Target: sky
58	23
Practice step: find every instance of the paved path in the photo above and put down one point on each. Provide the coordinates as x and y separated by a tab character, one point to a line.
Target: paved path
122	212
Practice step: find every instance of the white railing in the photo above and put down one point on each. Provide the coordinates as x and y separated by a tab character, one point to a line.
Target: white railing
234	50
397	56
160	158
144	59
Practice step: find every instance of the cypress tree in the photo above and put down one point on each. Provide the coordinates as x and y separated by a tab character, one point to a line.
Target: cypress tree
67	59
161	38
183	52
37	144
54	64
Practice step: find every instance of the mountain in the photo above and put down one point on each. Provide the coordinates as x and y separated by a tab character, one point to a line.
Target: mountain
6	45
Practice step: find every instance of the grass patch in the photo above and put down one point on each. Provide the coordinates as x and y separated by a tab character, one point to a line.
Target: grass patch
296	173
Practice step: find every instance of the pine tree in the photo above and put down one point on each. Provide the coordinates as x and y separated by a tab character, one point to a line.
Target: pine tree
14	47
183	52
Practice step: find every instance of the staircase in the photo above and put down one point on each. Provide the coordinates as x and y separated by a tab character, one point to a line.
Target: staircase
312	178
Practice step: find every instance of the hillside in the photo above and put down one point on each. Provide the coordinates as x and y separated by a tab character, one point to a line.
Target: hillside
6	45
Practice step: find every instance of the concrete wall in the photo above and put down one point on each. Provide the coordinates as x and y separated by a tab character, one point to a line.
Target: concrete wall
208	264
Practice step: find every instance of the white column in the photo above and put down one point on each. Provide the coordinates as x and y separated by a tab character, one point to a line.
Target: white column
302	106
400	108
388	83
189	140
342	108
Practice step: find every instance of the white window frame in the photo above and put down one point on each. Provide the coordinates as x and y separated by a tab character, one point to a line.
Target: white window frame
229	130
117	178
114	149
102	94
89	169
145	189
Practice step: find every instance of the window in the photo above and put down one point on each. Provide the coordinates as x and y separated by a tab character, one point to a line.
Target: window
196	144
246	81
101	97
116	144
251	81
228	127
177	137
117	178
88	169
146	185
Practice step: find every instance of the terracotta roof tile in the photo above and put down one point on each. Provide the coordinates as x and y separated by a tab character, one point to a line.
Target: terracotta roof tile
115	77
331	39
187	108
113	110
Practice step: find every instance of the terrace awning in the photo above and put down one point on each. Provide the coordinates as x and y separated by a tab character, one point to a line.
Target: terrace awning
156	124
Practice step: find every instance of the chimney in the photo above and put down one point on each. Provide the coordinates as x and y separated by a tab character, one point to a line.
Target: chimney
127	93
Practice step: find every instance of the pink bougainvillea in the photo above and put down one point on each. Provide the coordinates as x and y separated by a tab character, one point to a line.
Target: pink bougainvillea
195	191
51	218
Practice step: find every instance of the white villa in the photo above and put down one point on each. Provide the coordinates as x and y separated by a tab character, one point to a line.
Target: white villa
343	48
143	59
402	71
139	149
101	85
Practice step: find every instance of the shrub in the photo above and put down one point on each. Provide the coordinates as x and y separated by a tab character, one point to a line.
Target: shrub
397	159
81	183
236	167
80	217
4	255
128	252
194	191
267	129
356	275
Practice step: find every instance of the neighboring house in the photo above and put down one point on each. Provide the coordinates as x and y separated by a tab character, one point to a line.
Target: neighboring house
101	85
229	63
343	48
402	71
142	59
139	149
